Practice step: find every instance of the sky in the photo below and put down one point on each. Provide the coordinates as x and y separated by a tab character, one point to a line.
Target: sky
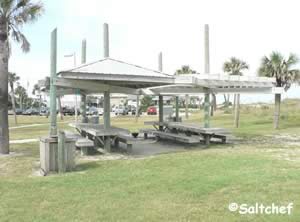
140	29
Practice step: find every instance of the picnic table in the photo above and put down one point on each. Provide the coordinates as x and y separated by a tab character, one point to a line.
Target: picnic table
97	133
186	132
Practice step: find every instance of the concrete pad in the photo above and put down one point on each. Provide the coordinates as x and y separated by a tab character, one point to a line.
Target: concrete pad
160	147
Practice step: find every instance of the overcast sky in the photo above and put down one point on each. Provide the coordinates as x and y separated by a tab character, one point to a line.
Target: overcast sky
140	29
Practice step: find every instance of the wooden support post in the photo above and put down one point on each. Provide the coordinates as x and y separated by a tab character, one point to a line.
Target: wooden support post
186	106
53	62
161	111
60	110
83	108
207	64
83	96
237	111
277	110
61	152
177	108
137	114
206	111
106	120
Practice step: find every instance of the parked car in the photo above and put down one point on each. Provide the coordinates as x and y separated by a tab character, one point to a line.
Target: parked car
92	111
31	111
19	111
121	110
100	111
44	111
151	110
68	111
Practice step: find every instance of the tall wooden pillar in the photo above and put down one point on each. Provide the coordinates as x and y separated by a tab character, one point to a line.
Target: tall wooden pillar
83	95
106	119
177	108
161	111
206	71
160	98
237	111
137	114
206	111
53	62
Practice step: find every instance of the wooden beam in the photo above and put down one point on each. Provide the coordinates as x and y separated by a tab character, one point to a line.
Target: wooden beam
206	111
93	86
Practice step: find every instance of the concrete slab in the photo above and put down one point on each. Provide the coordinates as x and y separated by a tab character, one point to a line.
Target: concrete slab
160	147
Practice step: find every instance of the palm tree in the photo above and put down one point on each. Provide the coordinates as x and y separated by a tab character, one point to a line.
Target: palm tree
235	67
185	69
12	79
13	15
22	94
283	71
37	91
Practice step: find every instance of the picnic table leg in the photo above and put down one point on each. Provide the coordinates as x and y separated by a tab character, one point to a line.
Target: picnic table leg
129	148
117	143
207	140
145	136
107	144
224	139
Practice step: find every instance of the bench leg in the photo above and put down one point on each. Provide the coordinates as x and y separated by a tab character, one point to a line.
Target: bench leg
117	143
145	136
129	148
107	144
84	151
207	140
224	140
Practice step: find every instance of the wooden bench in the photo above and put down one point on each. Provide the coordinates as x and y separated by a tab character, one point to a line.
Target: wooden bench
127	139
177	137
86	146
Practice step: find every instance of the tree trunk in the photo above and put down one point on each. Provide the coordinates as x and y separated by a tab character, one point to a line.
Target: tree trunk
14	103
237	111
4	56
277	110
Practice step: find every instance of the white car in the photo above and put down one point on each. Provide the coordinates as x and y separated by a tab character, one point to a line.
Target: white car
100	111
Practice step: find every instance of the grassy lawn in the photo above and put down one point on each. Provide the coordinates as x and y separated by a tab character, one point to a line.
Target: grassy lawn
195	185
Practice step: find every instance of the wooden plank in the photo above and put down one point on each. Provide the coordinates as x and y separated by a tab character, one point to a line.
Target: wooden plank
61	152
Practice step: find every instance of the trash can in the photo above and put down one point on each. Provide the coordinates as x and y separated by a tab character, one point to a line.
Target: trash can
49	154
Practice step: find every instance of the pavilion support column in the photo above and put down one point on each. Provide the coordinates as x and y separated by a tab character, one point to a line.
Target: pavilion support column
187	106
106	119
177	108
53	62
137	114
207	65
237	111
206	111
83	108
161	111
83	95
277	110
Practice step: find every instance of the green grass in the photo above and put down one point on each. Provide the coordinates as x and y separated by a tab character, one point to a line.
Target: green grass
196	185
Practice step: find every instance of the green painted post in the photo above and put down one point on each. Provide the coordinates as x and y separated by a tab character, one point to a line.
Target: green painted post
177	108
106	119
53	61
83	96
161	111
206	111
61	152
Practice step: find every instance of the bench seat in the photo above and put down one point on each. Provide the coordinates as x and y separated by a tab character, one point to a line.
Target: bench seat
177	137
